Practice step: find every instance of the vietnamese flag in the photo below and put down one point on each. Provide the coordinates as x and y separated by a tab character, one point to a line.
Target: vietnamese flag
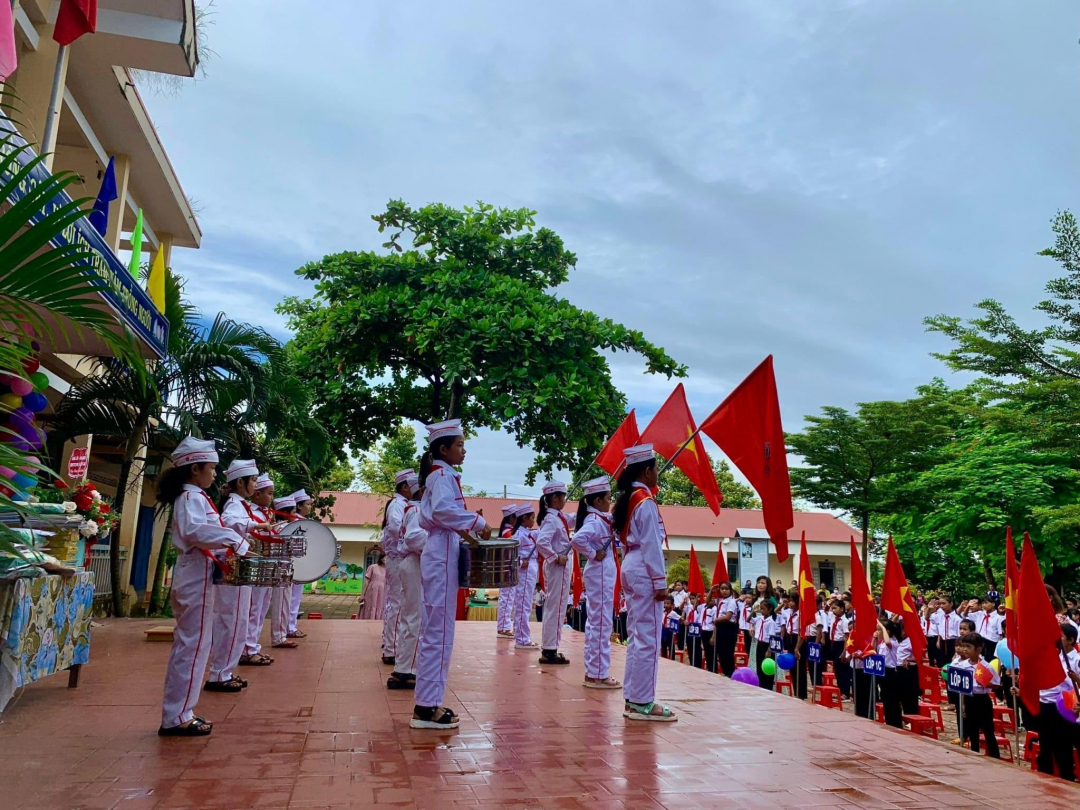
866	618
1012	582
807	593
576	585
627	435
1040	657
75	18
896	598
747	428
720	572
618	583
694	582
669	430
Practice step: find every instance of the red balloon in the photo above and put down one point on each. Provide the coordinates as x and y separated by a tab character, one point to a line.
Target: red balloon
30	365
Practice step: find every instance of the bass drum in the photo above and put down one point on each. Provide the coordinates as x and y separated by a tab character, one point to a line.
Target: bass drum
322	549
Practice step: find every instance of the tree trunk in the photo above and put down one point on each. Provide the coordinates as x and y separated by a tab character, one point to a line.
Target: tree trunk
866	542
157	593
130	451
457	400
991	585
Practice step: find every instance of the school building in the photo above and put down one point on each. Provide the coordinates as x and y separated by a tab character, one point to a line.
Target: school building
738	534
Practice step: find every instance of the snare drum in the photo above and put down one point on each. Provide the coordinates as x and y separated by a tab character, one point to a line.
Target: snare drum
493	564
260	571
285	548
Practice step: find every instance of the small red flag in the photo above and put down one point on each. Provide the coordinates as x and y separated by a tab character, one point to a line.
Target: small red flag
747	428
669	430
576	585
1012	582
865	614
540	566
720	572
807	592
1040	657
896	598
75	18
611	455
694	581
618	581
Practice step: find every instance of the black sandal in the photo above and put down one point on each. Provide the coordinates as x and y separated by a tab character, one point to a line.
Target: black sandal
401	680
424	717
553	657
196	728
256	660
223	686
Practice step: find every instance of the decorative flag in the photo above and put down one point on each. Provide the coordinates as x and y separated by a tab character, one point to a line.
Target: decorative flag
9	56
1040	658
136	245
611	456
747	428
99	217
720	572
575	579
540	565
669	430
618	580
807	593
1012	583
694	582
75	18
896	598
155	285
866	619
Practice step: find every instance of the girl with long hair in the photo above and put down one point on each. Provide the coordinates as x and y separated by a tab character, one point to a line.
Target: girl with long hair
504	624
727	628
553	540
595	538
197	530
644	581
528	567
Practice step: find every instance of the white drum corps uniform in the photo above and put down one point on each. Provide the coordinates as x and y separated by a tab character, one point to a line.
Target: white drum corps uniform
596	535
260	595
505	617
528	569
553	540
297	594
391	546
411	539
196	529
282	621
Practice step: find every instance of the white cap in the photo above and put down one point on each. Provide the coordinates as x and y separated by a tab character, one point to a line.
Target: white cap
299	496
194	451
414	484
264	481
601	484
451	427
635	455
284	503
241	468
402	476
510	509
525	509
554	486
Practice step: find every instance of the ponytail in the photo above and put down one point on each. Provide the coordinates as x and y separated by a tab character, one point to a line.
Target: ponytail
625	483
506	521
386	512
223	494
545	503
171	483
425	465
520	518
432	454
583	509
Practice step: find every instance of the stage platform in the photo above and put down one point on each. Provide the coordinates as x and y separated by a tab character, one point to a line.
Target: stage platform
318	729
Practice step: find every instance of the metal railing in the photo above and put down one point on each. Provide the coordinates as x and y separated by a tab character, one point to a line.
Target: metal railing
99	564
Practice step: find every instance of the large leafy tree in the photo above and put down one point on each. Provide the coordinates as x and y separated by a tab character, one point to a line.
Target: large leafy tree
458	319
678	490
397	451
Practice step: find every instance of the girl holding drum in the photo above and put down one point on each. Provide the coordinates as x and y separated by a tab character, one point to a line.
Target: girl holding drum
525	532
553	539
259	510
196	530
595	539
302	509
444	516
504	627
411	541
281	598
644	581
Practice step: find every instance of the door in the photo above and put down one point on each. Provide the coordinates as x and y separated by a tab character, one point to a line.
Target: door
826	575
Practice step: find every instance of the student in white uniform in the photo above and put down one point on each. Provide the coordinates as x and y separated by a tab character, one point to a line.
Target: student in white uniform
595	539
196	531
978	707
302	508
259	511
232	603
644	581
394	552
529	567
281	598
411	540
553	540
504	624
447	522
727	629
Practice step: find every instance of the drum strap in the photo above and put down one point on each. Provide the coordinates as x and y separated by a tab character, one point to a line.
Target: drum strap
206	551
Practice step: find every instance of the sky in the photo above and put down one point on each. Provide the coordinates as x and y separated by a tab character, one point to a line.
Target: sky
808	180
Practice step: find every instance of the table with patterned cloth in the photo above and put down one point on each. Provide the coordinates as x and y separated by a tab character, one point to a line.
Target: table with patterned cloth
483	613
44	628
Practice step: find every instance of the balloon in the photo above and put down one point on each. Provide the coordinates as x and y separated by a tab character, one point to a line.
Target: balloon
30	365
7	492
23	481
35	345
745	675
768	666
785	661
20	387
21	416
984	676
27	431
1008	660
996	666
1066	704
6	472
35	402
10	401
945	673
40	380
5	379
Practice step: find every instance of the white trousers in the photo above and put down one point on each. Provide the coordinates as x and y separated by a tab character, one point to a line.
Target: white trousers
644	617
280	613
294	605
599	580
391	607
555	589
409	612
232	604
260	603
523	601
439	572
507	607
192	601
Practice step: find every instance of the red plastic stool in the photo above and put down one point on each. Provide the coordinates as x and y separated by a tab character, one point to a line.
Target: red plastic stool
828	678
829	697
1006	716
314	616
879	712
931	685
934	711
1004	746
741	659
923	726
1031	747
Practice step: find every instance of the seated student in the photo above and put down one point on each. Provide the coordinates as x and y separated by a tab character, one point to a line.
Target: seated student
978	708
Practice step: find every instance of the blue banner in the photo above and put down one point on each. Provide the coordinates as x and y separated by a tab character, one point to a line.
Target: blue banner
130	301
874	665
961	681
813	652
776	644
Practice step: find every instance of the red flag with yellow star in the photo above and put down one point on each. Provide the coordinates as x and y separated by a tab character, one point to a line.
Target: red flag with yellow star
610	457
669	430
807	593
896	598
1012	581
866	619
695	583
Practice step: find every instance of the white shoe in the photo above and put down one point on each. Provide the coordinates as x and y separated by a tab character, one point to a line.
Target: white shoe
532	645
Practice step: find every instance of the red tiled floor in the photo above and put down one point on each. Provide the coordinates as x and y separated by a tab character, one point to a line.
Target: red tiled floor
319	730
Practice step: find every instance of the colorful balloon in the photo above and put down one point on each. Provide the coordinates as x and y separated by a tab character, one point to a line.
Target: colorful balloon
996	666
31	364
6	472
10	401
40	381
768	666
23	481
35	402
945	673
1066	705
745	675
785	661
20	387
1008	660
22	415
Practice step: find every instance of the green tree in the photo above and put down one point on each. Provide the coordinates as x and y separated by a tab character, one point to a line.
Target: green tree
677	490
340	477
680	570
395	451
458	319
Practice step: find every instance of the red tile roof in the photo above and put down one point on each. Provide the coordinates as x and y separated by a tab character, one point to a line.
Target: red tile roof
365	509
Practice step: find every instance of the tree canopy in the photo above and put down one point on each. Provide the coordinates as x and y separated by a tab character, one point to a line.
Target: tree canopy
396	451
458	318
678	490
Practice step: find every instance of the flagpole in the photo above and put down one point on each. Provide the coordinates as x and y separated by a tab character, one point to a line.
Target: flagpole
48	141
675	455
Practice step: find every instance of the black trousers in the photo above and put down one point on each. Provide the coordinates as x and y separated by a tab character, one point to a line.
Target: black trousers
621	625
979	719
747	640
693	650
708	650
802	674
726	633
682	636
841	668
865	692
910	691
932	651
892	698
1055	742
764	681
666	637
539	613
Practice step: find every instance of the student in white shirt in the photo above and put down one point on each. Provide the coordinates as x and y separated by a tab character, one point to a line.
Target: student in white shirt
1056	734
988	625
837	633
892	632
932	628
978	708
765	627
746	615
726	629
708	625
949	625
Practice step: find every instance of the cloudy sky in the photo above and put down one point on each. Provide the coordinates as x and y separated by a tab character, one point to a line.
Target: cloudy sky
741	178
